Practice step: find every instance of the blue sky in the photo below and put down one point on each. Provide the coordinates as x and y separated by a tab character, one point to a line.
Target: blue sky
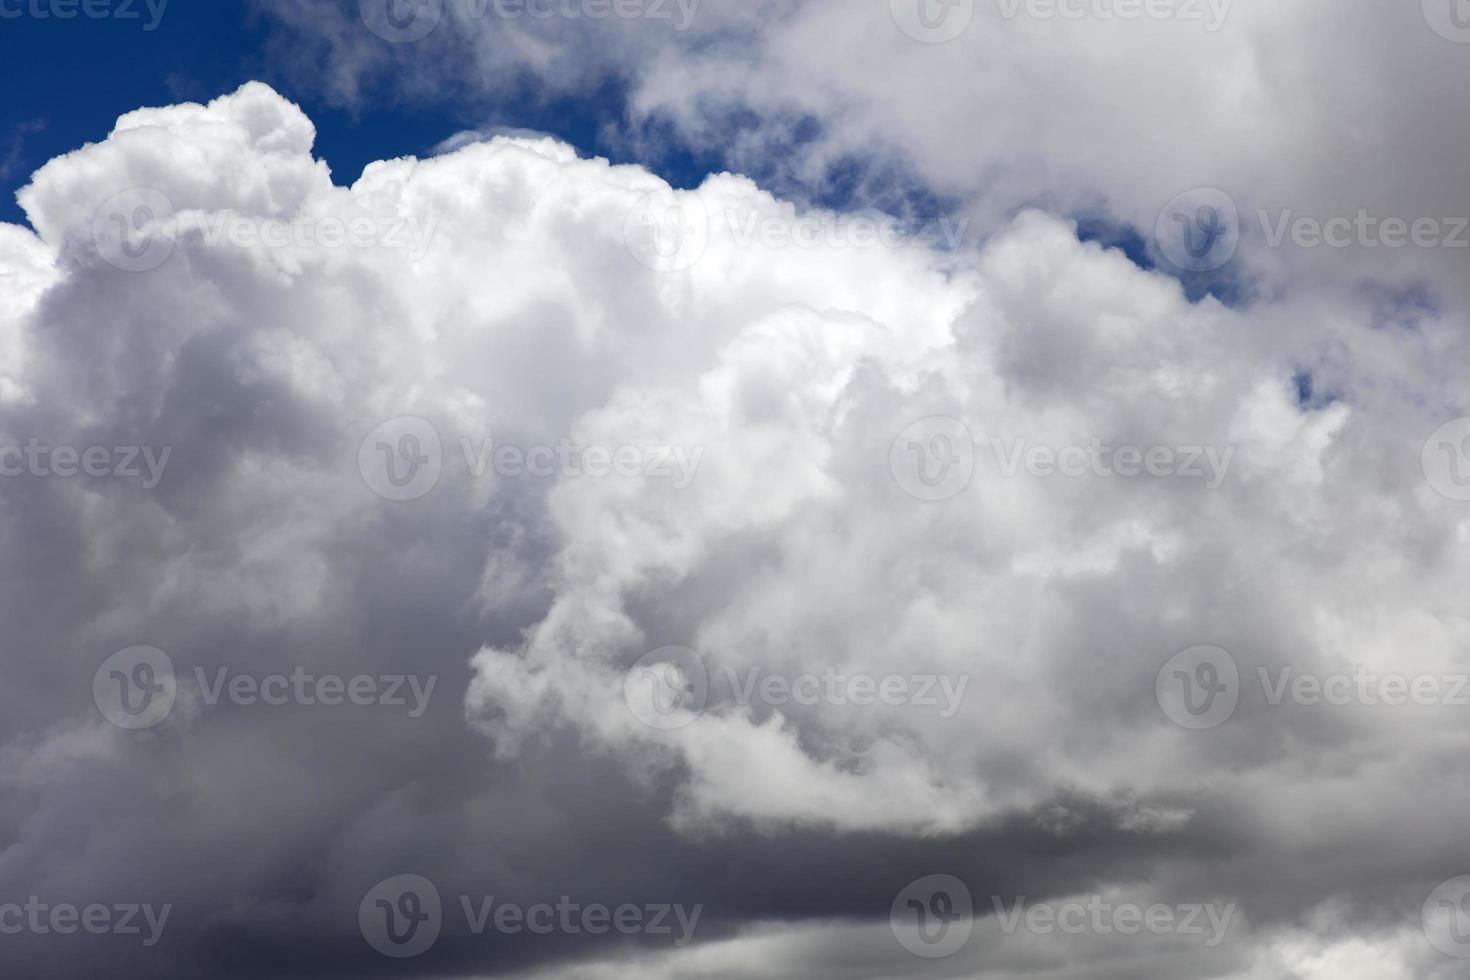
704	550
199	50
81	74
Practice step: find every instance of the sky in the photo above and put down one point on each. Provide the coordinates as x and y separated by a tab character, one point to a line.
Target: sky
810	489
82	73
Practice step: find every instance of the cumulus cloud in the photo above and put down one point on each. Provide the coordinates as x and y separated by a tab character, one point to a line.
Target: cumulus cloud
1308	112
833	452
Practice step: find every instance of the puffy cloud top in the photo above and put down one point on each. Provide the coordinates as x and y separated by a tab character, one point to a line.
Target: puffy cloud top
519	419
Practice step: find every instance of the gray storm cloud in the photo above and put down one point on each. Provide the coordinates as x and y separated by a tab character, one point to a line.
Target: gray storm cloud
837	525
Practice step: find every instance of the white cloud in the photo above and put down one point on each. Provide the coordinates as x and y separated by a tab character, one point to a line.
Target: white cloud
530	317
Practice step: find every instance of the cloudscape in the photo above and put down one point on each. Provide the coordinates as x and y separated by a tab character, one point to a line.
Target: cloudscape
723	489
